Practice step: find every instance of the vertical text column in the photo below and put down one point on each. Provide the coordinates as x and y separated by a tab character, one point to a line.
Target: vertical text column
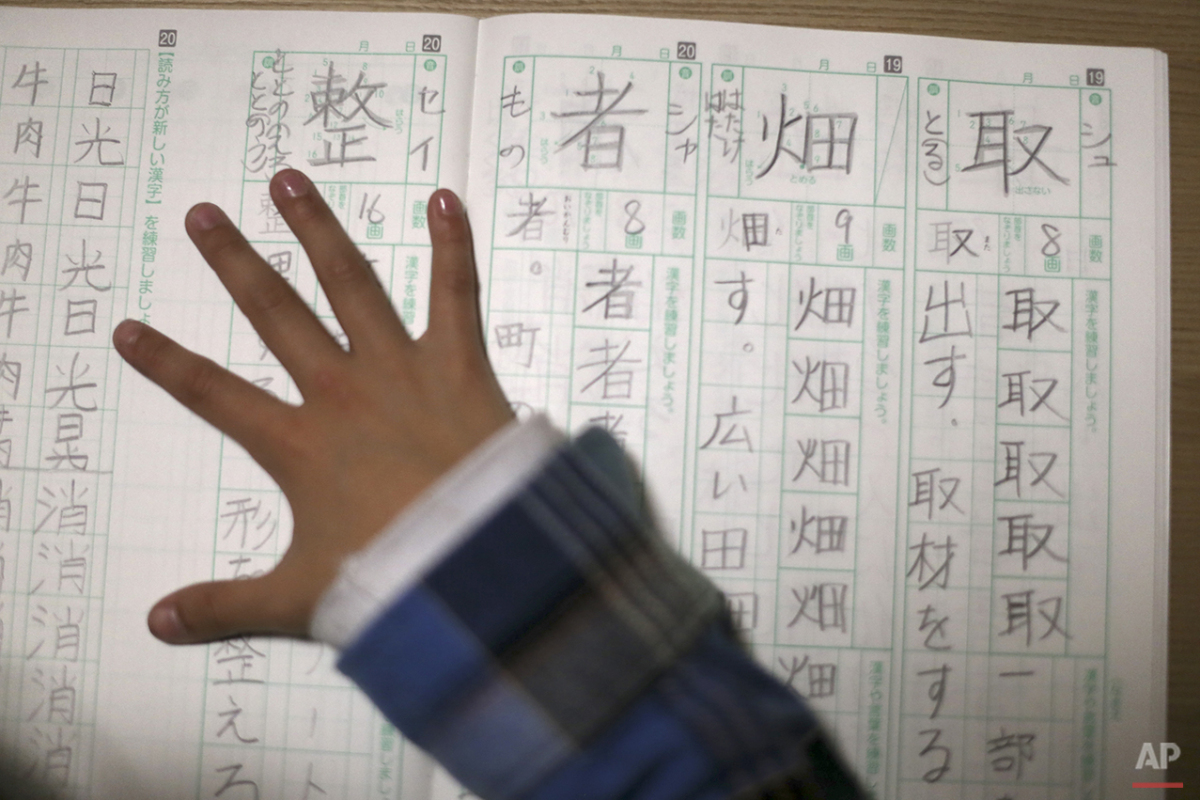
1006	547
79	132
798	419
278	717
592	242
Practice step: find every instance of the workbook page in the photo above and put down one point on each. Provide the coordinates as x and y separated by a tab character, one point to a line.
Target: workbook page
879	317
113	124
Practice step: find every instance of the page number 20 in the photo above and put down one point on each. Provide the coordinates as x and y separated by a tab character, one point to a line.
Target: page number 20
166	38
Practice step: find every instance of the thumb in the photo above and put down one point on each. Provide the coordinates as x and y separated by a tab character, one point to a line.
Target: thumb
205	612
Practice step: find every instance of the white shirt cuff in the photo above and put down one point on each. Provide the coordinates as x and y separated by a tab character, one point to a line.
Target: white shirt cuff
433	525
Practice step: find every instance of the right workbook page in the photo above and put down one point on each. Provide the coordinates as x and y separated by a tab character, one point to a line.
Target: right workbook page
881	320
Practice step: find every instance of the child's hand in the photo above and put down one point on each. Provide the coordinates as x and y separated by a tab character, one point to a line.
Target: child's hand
378	425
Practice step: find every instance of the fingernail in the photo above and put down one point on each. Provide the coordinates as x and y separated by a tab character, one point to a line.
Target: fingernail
164	622
206	216
448	203
126	334
293	183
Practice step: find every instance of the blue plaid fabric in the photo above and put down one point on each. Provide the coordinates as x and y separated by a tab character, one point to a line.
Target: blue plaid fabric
564	651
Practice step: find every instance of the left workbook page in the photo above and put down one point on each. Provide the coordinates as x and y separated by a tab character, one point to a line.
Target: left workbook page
112	124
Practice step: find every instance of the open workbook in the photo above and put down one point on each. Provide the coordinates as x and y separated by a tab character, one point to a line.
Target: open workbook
882	318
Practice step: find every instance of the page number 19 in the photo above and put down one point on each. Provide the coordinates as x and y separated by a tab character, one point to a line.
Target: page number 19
893	64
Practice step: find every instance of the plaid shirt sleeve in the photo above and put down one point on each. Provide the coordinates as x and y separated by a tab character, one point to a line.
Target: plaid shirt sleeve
564	651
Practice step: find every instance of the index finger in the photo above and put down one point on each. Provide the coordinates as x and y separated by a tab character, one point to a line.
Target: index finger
229	403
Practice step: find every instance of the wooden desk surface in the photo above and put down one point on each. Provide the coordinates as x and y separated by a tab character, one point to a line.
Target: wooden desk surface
1172	26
